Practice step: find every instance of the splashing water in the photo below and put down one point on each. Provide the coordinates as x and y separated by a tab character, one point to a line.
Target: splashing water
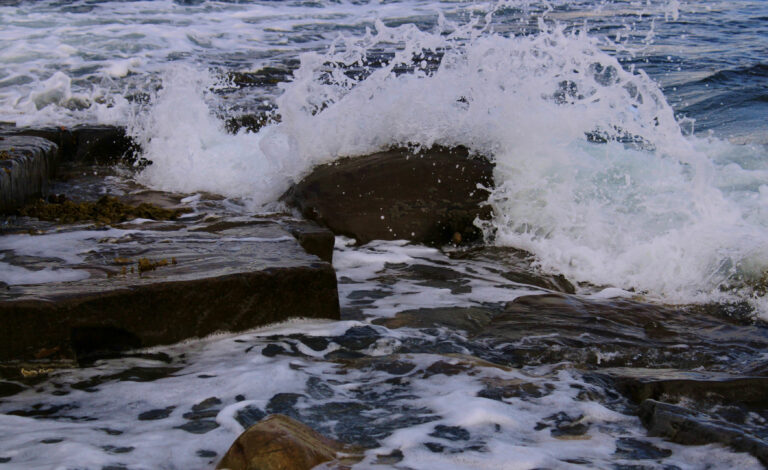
593	173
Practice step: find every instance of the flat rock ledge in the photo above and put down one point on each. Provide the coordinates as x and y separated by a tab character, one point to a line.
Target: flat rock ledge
278	442
433	196
697	407
159	283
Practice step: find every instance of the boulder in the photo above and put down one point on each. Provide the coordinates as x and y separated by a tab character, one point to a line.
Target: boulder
280	443
433	196
26	165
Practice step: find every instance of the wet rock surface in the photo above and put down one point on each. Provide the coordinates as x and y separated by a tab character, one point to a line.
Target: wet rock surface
30	158
432	196
106	210
279	442
149	282
189	287
676	385
697	407
685	426
624	333
26	166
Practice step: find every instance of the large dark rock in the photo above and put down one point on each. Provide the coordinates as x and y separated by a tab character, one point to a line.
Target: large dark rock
26	166
163	285
432	196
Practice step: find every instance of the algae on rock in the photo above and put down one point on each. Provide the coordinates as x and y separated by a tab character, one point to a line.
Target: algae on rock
107	210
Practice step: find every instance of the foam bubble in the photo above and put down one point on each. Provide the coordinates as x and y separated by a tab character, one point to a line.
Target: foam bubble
55	90
121	68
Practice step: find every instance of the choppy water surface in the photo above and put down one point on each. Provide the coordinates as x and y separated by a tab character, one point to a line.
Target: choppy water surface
630	148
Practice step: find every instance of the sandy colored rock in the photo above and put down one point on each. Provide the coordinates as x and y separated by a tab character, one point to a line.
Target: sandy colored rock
280	443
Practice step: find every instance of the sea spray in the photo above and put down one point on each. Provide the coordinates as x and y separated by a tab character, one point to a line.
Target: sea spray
593	173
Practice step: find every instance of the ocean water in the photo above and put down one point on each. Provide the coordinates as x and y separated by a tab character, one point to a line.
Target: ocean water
631	149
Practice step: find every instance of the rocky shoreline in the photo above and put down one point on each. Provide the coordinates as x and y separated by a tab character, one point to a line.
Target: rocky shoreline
156	282
691	376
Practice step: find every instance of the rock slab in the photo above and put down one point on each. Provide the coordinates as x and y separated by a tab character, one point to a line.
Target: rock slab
432	197
161	285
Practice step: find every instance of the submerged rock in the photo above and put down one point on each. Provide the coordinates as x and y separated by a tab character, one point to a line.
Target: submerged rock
432	197
469	319
696	407
621	333
278	442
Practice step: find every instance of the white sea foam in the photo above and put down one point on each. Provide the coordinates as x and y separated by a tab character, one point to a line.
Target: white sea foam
678	218
99	425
